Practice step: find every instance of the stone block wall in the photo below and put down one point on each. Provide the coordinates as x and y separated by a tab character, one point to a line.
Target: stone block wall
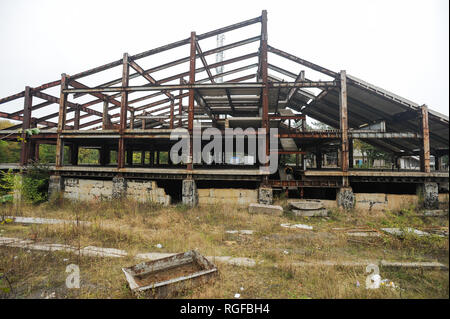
89	189
237	196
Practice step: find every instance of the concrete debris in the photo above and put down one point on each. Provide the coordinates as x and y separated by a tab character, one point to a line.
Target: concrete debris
401	232
91	251
236	261
307	204
434	213
38	220
383	263
311	213
298	226
265	209
241	232
237	296
363	234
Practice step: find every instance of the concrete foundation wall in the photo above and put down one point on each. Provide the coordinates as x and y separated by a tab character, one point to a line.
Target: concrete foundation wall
88	189
227	196
380	202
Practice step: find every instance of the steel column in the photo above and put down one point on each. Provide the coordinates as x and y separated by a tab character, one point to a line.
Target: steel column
26	146
265	89
61	121
343	123
191	100
123	112
425	147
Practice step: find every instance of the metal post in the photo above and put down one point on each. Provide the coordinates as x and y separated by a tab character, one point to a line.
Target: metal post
61	121
25	151
76	120
343	121
180	105
265	90
105	121
425	147
171	114
123	112
143	121
132	120
191	100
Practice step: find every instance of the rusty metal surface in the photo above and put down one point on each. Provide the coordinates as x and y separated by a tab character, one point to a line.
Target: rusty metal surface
168	287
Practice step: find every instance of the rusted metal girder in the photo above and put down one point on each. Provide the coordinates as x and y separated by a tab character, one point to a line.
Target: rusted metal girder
148	77
61	120
179	61
302	62
225	85
167	47
26	146
425	147
180	105
343	121
265	87
123	112
191	100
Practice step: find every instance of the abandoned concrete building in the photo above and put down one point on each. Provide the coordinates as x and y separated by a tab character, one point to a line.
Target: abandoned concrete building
130	117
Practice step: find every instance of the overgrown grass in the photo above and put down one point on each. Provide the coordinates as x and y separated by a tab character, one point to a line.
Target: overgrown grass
139	227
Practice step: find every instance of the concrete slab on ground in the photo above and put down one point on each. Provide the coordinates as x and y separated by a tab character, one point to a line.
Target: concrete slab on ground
265	209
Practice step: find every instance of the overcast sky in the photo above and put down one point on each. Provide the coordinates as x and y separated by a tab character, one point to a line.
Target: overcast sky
401	46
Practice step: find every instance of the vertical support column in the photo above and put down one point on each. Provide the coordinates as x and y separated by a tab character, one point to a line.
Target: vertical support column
191	100
26	146
132	120
76	120
425	147
180	105
319	158
152	158
343	121
265	90
105	120
123	112
350	153
171	114
75	148
105	155
129	156
157	157
61	120
143	120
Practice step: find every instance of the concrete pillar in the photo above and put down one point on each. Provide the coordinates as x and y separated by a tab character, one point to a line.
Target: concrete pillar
265	195
119	187
428	195
55	186
189	192
345	198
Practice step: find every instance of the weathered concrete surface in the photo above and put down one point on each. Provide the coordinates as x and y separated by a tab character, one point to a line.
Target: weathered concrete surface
265	209
383	263
118	187
401	232
189	192
306	204
429	195
91	251
298	226
241	232
265	195
237	261
434	213
55	186
310	213
237	196
345	198
38	220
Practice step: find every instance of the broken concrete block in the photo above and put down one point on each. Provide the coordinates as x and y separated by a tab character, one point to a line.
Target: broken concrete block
311	213
299	226
434	213
400	232
265	209
242	232
306	204
265	195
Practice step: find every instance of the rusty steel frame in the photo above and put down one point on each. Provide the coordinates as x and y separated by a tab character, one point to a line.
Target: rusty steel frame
162	112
